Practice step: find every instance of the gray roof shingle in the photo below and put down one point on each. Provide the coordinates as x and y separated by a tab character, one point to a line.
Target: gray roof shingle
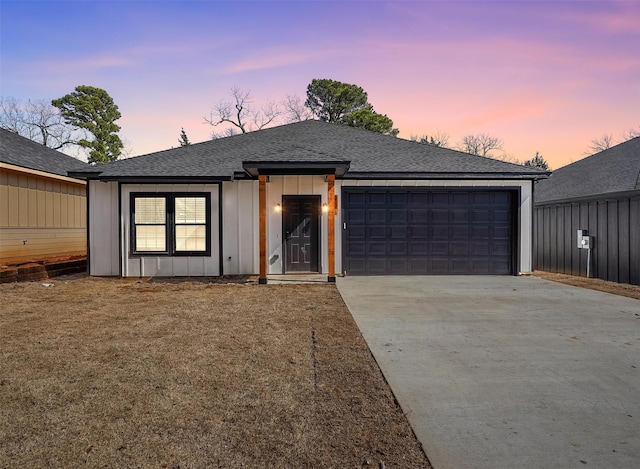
311	141
20	151
614	170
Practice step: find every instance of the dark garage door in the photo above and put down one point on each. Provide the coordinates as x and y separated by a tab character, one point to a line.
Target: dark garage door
414	231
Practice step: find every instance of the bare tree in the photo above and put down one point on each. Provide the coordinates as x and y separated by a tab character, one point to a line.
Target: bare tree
600	144
480	144
241	115
633	132
295	109
439	139
38	121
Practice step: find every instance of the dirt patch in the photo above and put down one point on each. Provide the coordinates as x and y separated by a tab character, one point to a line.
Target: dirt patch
622	289
115	372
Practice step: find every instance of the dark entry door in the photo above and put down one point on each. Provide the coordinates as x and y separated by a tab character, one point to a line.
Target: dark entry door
300	232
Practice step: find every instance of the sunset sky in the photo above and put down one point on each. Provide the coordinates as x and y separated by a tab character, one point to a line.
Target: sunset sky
546	76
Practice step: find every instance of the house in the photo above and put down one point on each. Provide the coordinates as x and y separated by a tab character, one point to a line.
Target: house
42	210
600	194
309	197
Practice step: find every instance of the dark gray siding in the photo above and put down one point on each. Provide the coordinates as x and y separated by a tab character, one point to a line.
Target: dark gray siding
613	223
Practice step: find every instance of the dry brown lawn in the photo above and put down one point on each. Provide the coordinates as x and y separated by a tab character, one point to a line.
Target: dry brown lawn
118	373
621	289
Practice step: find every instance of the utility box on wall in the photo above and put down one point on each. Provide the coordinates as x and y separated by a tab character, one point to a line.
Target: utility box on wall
584	240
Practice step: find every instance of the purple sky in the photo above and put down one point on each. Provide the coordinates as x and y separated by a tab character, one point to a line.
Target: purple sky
543	76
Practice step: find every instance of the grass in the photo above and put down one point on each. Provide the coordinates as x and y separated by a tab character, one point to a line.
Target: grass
112	372
615	288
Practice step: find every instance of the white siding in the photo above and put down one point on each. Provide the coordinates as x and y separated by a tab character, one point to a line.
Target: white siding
293	185
169	266
524	236
240	224
103	228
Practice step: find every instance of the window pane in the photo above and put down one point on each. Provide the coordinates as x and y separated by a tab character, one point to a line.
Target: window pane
150	210
151	238
191	238
190	210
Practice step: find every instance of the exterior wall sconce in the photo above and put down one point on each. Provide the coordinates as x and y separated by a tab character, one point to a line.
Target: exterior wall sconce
325	207
278	208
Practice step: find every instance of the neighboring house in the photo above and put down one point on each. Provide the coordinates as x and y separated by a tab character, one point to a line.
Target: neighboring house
309	197
42	210
601	194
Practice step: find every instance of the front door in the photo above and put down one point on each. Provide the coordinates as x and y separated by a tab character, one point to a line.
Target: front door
300	232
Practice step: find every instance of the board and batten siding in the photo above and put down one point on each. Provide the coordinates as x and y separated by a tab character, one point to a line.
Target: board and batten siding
169	266
104	256
241	217
612	222
40	217
240	236
524	208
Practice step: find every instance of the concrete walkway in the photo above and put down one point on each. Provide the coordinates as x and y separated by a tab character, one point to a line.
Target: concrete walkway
507	372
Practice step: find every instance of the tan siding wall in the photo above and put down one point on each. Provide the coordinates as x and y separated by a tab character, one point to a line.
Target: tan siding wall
41	243
50	215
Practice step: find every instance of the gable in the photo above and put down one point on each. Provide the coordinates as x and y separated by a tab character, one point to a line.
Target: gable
610	171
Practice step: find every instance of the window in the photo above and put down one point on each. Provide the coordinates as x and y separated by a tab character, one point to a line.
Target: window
171	224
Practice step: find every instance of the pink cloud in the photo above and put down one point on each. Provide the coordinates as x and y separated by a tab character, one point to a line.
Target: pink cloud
270	59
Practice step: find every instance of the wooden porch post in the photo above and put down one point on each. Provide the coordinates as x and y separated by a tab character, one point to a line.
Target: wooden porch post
262	203
331	226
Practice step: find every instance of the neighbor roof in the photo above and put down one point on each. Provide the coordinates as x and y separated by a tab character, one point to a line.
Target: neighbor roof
368	154
20	151
611	171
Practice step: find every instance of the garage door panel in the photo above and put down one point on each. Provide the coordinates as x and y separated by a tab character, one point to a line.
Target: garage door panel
426	231
459	216
377	248
378	215
417	248
377	266
481	216
480	265
397	215
377	231
418	215
377	198
500	249
440	215
398	198
357	232
356	249
458	249
500	232
501	216
459	232
418	232
355	215
439	248
440	232
397	248
458	266
399	266
480	248
398	232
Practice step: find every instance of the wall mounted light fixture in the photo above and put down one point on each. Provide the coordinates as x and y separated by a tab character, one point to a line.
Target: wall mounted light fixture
325	207
278	208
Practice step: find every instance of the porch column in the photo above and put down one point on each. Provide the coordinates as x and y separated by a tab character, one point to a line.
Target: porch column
262	204
331	226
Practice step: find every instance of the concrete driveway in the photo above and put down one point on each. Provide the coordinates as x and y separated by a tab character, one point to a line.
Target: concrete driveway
507	372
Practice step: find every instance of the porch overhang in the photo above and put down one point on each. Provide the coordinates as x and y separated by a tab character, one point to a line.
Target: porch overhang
285	168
